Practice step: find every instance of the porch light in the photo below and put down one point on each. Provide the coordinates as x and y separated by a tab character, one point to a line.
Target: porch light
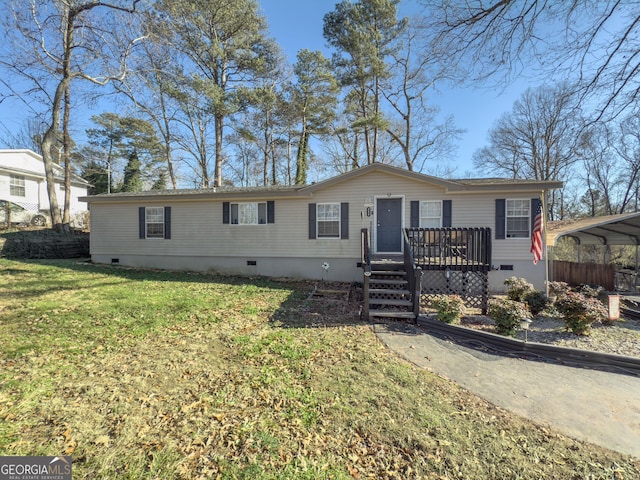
524	325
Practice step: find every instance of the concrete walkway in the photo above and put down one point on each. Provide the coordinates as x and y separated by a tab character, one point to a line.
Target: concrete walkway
598	407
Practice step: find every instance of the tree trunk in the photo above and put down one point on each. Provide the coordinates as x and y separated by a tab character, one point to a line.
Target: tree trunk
66	148
167	143
218	124
301	157
48	142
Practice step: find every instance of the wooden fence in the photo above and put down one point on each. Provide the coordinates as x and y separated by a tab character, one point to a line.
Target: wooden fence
588	273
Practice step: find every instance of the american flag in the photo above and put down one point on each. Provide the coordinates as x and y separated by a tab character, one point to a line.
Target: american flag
536	235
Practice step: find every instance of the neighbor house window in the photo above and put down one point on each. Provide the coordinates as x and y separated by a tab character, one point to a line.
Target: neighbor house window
431	214
16	186
249	213
155	222
518	218
328	220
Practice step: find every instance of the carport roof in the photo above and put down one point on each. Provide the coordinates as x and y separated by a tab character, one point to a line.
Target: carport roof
622	229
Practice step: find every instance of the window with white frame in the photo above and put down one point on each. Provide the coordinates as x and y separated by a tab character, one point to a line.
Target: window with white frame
249	213
328	220
154	221
16	185
518	218
431	214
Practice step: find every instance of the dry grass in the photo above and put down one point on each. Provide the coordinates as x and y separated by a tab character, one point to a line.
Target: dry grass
162	375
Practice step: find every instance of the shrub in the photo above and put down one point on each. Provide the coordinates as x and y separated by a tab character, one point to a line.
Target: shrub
449	308
580	312
518	288
558	289
507	314
589	291
537	302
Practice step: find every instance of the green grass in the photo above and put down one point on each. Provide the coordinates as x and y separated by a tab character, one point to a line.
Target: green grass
164	375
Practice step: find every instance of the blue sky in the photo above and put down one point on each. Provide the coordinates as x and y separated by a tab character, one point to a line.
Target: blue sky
297	24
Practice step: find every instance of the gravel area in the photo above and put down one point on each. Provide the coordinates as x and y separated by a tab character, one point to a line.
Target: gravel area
622	337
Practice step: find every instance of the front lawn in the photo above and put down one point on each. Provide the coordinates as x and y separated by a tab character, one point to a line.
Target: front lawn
164	375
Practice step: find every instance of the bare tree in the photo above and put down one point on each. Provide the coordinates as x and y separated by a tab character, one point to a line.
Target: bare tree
196	121
609	167
58	42
595	44
535	140
414	128
628	148
29	136
148	88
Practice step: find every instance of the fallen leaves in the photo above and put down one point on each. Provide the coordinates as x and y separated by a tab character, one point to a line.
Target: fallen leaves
252	381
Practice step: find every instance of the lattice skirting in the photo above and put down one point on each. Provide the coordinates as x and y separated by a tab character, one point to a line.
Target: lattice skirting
473	287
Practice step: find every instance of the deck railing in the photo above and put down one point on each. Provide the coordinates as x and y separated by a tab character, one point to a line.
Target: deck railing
466	249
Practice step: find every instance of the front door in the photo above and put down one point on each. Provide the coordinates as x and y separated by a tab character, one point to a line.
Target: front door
389	228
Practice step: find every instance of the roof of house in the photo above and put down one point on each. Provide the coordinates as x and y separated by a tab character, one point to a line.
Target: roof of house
621	229
58	170
450	186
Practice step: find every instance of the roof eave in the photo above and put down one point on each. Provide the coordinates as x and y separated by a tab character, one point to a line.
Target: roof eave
512	187
177	197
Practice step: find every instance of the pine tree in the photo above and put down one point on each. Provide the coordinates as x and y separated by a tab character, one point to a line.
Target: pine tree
132	176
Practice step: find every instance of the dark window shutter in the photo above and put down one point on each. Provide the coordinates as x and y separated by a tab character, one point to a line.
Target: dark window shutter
271	211
446	213
415	214
142	224
344	220
167	223
225	212
312	221
501	218
534	208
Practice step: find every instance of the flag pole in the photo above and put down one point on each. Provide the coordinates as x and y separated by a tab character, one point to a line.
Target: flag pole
544	239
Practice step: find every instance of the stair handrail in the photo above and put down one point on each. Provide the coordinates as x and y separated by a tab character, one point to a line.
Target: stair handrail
414	274
365	251
365	263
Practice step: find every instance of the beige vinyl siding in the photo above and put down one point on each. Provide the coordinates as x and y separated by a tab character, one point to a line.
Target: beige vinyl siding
479	211
197	229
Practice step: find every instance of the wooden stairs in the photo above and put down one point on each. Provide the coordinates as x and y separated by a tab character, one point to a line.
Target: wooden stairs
389	294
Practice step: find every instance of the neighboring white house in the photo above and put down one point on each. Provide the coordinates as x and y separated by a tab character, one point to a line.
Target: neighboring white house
22	181
291	231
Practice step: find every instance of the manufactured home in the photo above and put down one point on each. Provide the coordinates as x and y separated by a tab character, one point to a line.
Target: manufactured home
319	231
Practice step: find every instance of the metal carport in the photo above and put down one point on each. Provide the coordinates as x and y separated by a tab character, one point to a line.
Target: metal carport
621	229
